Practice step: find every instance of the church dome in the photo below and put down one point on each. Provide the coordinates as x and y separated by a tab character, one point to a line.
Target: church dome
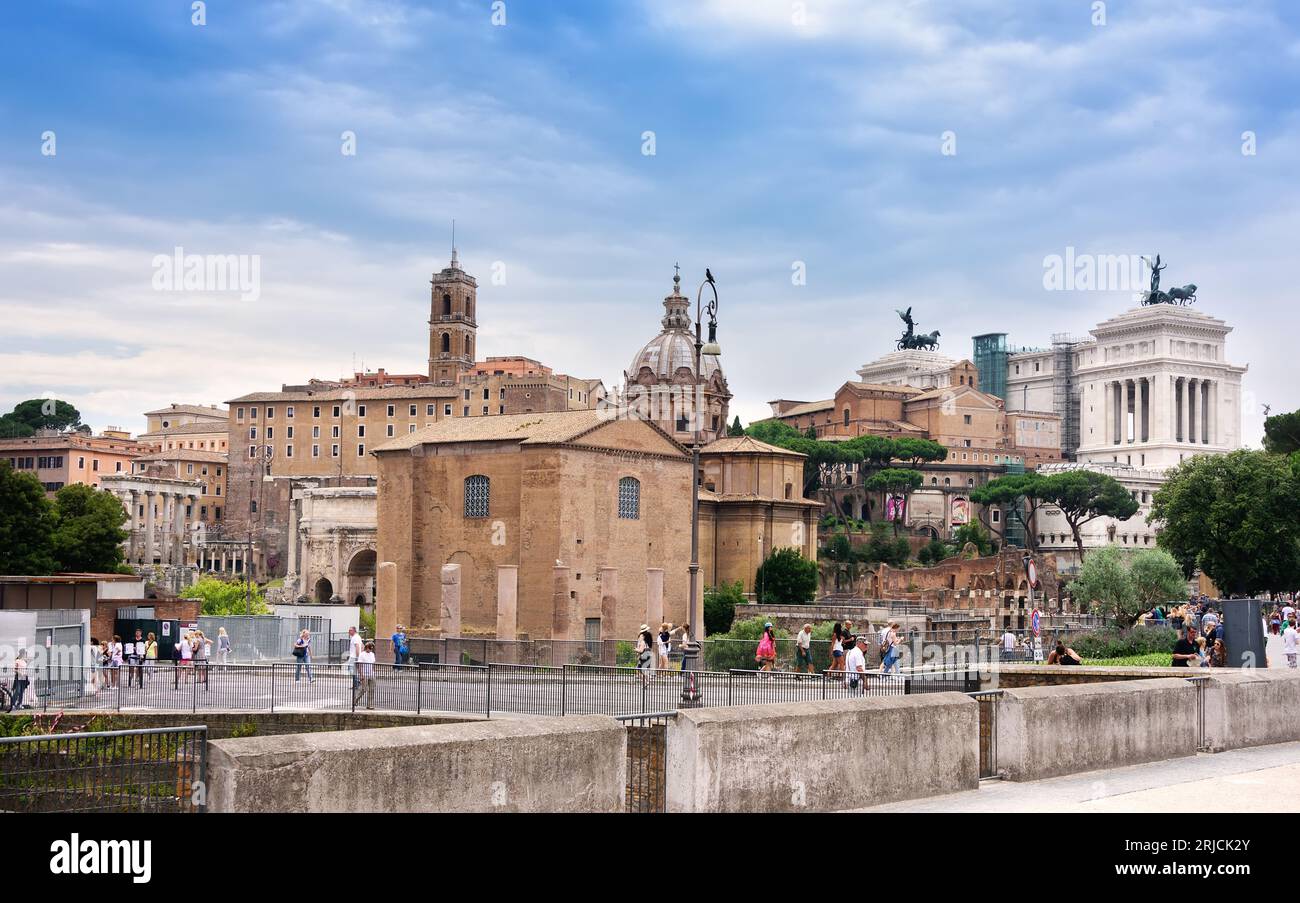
674	348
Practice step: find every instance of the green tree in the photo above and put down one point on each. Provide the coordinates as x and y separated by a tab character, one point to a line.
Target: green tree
1157	578
227	597
720	607
1084	496
1234	517
736	429
932	552
975	535
897	482
1018	494
88	532
1105	586
786	578
39	413
736	647
1282	433
26	525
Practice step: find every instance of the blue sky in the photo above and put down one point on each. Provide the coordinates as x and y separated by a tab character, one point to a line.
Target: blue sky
783	133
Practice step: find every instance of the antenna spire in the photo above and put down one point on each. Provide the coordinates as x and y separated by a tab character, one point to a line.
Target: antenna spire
454	262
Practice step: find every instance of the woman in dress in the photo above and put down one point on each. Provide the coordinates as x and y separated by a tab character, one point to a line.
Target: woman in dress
645	642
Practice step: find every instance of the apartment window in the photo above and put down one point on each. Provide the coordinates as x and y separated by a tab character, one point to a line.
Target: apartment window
252	432
334	451
629	498
487	393
391	409
81	464
485	409
361	451
252	451
467	394
94	464
336	410
446	410
477	496
270	432
315	451
501	409
965	418
189	469
288	451
239	413
361	410
390	430
315	432
252	413
411	428
465	413
428	410
315	411
334	432
413	410
361	431
995	516
967	443
270	413
503	394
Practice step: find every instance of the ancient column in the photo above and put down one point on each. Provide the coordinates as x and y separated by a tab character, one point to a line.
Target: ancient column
291	575
1143	428
1178	409
449	618
563	606
165	528
654	599
391	608
182	520
609	626
1205	411
148	526
507	601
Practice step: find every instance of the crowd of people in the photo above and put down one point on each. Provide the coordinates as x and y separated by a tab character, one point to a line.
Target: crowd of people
191	655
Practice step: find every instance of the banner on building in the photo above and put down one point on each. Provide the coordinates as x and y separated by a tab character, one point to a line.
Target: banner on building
960	511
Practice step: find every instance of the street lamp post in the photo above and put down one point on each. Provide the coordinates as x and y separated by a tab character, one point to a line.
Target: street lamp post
691	652
262	465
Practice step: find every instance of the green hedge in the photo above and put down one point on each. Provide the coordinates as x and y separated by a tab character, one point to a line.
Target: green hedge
1112	643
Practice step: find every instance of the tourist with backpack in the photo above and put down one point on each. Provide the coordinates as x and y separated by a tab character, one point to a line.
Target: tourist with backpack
302	652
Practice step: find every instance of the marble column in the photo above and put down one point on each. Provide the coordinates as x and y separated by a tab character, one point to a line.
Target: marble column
1191	410
1144	406
1118	426
181	520
449	617
165	528
1179	407
295	506
654	598
1214	412
507	601
148	526
1130	411
1205	412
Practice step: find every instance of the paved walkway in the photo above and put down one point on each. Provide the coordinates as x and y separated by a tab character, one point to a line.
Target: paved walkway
1260	779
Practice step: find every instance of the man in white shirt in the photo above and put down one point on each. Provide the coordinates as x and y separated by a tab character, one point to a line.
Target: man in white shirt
855	665
355	648
1290	644
1008	641
366	674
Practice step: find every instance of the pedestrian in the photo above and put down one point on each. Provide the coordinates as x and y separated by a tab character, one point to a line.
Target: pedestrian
766	653
803	651
1064	655
134	653
645	642
302	652
177	661
223	646
1008	642
187	655
150	654
1219	655
855	667
96	655
366	674
21	682
665	641
890	652
355	648
400	646
115	655
1185	648
837	648
202	654
1290	642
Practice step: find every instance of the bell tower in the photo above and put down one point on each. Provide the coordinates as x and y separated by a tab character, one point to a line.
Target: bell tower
452	328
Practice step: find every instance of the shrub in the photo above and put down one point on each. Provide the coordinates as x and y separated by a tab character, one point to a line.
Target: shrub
720	607
1108	644
786	578
736	648
625	654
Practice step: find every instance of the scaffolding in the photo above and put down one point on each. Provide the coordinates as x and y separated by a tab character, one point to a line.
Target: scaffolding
1013	531
1065	392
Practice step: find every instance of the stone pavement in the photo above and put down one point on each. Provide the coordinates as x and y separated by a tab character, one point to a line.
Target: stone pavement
1259	779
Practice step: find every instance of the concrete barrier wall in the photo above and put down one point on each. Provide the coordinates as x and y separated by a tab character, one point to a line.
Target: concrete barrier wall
1045	732
574	764
1012	677
822	756
1251	708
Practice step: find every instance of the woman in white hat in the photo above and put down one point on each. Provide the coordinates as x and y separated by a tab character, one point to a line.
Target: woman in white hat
645	644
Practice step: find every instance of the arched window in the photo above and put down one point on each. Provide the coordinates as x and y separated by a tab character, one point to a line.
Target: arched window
846	416
469	347
446	341
629	498
477	493
934	481
789	490
446	304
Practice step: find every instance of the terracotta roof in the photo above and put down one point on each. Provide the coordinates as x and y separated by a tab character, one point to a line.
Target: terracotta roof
359	393
212	411
882	387
746	445
808	407
720	498
529	429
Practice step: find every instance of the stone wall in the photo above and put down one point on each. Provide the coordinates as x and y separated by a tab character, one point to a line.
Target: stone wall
1011	677
574	764
822	756
1250	708
222	725
1044	732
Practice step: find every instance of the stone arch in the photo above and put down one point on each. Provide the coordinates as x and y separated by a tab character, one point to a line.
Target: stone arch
323	590
359	577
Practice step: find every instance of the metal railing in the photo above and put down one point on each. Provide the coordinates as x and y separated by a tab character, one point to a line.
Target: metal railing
647	761
148	770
